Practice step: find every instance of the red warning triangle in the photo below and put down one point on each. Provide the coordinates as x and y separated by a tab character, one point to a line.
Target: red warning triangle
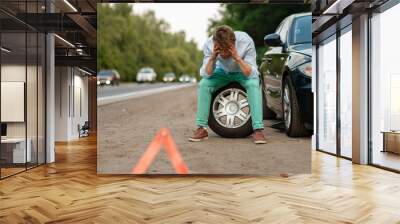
163	138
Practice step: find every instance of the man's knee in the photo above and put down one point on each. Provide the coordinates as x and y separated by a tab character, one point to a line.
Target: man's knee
207	83
204	83
252	84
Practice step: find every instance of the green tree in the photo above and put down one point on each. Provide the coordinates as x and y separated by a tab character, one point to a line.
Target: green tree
128	42
257	20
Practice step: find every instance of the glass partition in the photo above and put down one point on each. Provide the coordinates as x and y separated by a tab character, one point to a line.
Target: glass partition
385	89
327	95
14	153
346	92
31	97
22	101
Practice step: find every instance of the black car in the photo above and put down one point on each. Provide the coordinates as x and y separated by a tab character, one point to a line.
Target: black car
286	73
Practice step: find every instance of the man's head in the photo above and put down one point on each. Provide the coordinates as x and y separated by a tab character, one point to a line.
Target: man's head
224	38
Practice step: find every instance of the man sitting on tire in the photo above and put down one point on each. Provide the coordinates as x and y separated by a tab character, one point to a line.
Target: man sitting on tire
229	57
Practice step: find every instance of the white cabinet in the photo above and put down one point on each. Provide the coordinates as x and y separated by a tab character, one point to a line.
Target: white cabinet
19	155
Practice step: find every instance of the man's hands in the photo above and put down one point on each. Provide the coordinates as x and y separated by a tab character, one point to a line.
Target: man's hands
230	52
246	68
213	59
234	53
215	52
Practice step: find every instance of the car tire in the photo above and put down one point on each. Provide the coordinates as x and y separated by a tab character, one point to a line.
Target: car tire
267	112
238	132
294	126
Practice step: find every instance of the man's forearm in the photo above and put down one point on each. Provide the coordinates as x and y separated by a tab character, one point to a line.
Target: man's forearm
210	66
246	68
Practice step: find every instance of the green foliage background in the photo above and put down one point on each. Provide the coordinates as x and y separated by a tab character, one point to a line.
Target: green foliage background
257	20
127	42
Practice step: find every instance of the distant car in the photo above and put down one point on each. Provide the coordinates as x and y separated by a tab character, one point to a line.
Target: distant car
108	77
286	74
146	74
193	80
184	78
169	77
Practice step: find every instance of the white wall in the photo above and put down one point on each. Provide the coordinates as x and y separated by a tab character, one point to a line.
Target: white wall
14	73
62	82
80	97
71	102
33	126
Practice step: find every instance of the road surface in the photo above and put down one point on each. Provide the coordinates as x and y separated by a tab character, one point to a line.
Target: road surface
125	91
127	127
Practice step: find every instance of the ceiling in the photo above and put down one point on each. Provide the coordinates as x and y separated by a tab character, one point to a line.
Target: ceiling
74	22
328	12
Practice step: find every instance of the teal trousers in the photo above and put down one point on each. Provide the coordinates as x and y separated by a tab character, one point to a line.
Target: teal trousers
218	79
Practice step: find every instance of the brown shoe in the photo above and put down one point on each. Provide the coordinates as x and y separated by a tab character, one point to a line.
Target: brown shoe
258	137
199	135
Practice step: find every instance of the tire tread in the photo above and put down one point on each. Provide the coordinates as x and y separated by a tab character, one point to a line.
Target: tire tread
297	128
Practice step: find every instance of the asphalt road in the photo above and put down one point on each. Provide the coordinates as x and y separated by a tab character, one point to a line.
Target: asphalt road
123	88
125	91
126	128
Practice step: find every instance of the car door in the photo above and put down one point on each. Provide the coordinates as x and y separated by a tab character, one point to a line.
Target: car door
274	61
266	69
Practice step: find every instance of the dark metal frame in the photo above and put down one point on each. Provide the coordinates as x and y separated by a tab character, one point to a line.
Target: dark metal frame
338	98
369	71
316	97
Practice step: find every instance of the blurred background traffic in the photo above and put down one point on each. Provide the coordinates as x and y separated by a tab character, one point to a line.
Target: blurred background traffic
136	44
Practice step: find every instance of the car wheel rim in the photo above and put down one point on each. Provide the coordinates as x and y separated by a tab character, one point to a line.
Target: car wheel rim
287	110
231	108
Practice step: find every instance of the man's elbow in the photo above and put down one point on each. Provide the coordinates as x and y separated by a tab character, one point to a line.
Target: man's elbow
210	71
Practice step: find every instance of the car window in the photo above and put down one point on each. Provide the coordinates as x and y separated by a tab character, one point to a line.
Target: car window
284	30
104	73
301	30
146	70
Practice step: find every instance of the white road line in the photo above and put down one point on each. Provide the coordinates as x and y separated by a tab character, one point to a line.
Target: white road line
126	96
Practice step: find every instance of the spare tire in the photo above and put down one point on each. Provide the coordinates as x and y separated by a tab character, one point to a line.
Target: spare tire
230	112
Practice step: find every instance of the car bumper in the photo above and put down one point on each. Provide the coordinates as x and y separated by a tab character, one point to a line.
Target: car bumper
104	82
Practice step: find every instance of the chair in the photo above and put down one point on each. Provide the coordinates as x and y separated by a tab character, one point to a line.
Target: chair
84	130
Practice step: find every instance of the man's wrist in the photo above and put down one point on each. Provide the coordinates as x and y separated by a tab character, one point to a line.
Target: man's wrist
237	59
